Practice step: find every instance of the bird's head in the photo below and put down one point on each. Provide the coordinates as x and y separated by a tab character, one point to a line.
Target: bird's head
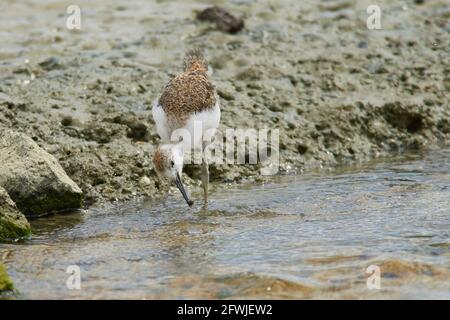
168	163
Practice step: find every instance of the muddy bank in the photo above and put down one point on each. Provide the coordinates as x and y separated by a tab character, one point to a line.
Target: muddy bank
337	91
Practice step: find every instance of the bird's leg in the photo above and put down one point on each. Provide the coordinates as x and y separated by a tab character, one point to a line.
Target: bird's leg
205	174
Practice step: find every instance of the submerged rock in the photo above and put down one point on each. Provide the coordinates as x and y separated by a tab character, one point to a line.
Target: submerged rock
13	223
33	178
5	282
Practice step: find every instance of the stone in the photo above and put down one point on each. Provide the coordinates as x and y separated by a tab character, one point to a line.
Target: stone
224	20
33	178
5	282
13	224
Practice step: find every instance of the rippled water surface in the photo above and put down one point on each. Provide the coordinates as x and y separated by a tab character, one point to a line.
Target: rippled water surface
308	236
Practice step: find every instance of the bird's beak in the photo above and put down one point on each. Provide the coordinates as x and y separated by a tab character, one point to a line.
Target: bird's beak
183	190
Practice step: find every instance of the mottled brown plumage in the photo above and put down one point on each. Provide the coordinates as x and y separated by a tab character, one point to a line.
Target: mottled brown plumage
187	99
189	92
159	160
194	60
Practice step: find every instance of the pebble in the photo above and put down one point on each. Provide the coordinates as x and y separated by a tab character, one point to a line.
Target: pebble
51	63
144	182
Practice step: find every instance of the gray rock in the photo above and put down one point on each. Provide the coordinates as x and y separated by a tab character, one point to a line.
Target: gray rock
33	178
51	63
13	223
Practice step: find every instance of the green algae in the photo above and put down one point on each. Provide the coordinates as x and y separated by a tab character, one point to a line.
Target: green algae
5	282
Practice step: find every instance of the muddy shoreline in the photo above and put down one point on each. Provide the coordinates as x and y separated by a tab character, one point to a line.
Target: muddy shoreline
338	92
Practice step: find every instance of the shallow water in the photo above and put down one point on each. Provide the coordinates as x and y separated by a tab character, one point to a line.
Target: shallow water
308	236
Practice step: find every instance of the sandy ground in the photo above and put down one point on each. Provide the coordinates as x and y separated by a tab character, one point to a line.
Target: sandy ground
337	91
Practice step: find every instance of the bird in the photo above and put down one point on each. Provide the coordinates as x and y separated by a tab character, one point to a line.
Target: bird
189	101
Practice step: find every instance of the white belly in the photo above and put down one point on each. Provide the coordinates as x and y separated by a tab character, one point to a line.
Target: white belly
199	126
162	126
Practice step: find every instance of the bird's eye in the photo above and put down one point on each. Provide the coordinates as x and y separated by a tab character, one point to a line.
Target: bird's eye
172	163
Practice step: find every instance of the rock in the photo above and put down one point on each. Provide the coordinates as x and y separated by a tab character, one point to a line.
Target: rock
67	121
33	178
5	282
362	44
51	63
224	20
13	224
144	182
